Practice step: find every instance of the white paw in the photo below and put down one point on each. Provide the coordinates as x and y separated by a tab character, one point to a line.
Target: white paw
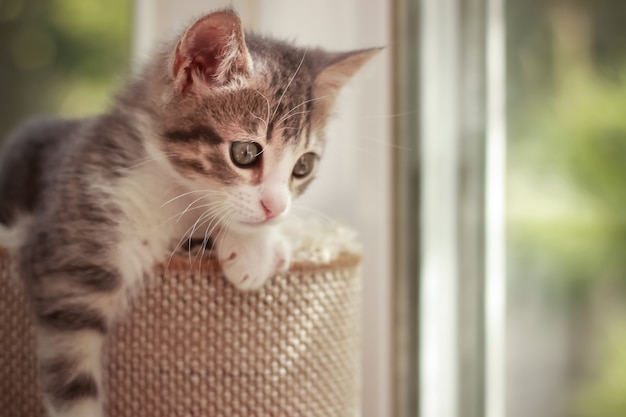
249	260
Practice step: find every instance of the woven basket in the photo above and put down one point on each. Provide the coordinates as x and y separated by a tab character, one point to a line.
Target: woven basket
192	345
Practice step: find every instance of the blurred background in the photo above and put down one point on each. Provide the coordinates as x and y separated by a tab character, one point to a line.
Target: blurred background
566	208
61	57
565	188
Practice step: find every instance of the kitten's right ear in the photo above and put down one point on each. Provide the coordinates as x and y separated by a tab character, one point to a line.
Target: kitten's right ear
212	51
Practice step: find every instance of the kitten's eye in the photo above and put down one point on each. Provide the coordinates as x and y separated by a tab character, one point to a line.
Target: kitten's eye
245	154
305	165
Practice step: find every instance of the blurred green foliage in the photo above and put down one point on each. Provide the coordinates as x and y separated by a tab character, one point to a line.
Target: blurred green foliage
61	57
567	181
573	160
604	395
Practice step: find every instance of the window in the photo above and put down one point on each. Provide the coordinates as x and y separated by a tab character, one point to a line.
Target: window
510	277
566	193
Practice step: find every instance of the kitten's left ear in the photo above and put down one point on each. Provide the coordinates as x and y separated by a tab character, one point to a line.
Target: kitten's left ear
337	70
212	51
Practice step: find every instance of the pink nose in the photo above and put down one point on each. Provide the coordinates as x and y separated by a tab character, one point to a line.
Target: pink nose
270	209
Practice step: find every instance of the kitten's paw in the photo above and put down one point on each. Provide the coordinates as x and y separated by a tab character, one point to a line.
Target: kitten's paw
248	261
282	254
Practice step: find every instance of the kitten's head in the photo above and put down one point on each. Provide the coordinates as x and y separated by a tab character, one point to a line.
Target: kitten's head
244	115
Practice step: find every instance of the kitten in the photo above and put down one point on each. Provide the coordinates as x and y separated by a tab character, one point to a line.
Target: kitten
213	139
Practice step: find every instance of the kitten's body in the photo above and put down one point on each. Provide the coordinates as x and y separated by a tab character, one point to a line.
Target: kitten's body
90	206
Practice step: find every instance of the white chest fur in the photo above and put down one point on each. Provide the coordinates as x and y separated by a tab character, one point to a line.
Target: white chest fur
155	219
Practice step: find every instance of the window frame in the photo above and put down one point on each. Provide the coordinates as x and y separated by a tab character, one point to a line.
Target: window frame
450	301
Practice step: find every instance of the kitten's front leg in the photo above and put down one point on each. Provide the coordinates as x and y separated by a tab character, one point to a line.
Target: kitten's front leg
248	259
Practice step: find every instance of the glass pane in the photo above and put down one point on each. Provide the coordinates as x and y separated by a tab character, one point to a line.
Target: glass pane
566	208
62	57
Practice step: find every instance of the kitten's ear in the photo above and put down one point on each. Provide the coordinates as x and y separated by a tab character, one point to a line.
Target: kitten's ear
337	69
213	51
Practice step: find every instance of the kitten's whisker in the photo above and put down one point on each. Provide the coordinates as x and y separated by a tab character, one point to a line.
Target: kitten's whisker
176	248
316	212
213	212
260	119
369	151
220	222
267	145
269	107
215	221
184	235
214	192
221	232
213	204
189	206
189	232
227	221
258	139
365	150
209	215
205	242
299	105
139	163
225	229
288	84
143	161
205	216
285	118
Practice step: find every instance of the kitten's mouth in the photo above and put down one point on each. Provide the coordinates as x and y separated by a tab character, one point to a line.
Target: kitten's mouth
261	223
257	224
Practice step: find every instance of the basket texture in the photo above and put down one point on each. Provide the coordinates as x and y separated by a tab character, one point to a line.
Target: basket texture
191	345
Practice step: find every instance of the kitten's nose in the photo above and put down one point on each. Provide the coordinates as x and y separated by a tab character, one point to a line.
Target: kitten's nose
272	208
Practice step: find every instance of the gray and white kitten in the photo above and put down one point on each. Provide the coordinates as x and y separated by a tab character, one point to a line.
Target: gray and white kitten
214	138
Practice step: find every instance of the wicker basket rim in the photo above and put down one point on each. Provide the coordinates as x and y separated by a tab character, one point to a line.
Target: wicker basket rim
180	262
